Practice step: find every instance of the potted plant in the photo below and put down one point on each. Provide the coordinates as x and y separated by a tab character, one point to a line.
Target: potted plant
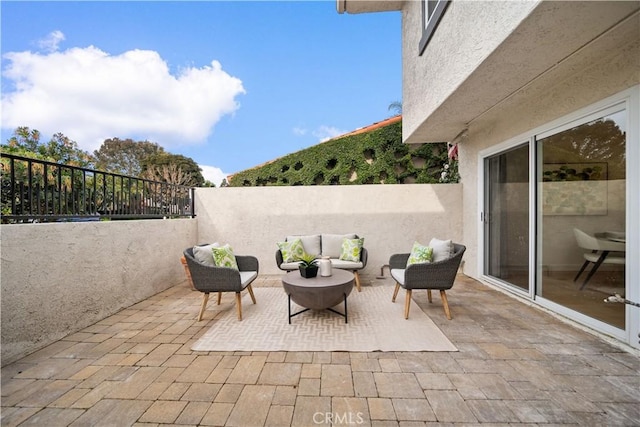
308	266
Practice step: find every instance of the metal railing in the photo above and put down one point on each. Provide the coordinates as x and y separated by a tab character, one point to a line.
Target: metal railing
39	191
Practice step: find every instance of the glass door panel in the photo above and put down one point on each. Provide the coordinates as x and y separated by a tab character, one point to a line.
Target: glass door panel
581	182
506	217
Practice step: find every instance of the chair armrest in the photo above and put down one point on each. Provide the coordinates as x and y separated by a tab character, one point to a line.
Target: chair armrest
398	261
279	259
212	279
247	263
364	256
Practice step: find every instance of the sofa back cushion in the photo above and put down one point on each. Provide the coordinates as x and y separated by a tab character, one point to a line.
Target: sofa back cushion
442	249
332	244
311	243
204	253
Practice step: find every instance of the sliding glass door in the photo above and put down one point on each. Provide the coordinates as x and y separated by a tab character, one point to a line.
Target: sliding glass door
577	232
581	221
506	217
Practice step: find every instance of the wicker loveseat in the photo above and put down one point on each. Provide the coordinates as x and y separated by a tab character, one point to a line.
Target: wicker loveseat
325	245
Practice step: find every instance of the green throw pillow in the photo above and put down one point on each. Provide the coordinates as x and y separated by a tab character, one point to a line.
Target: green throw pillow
351	249
224	257
291	251
420	254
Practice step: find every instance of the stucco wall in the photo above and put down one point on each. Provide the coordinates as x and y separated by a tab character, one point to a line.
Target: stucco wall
389	217
467	34
483	53
59	278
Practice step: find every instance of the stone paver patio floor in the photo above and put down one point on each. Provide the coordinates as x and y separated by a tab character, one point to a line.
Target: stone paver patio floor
516	365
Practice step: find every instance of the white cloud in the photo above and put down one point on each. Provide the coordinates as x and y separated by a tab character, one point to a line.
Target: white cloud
298	131
90	95
51	42
213	174
324	133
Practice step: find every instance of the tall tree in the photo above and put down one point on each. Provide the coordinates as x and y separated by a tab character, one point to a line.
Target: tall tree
59	149
125	156
158	167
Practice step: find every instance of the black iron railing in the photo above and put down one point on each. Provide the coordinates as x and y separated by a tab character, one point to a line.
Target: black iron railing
40	191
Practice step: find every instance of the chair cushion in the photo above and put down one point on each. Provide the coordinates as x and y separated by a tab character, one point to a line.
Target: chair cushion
420	254
351	249
332	244
290	265
398	275
345	265
292	250
311	243
247	277
204	254
224	257
442	249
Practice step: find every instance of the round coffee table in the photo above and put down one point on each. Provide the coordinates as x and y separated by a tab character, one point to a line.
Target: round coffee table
318	293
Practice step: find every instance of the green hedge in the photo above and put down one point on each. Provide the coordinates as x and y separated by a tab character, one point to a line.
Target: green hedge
375	157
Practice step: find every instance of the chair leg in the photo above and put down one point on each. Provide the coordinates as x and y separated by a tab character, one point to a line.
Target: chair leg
253	297
357	277
429	295
407	304
219	297
594	268
395	292
581	270
239	305
445	304
204	305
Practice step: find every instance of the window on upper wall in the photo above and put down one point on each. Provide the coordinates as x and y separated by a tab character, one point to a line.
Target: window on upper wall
432	12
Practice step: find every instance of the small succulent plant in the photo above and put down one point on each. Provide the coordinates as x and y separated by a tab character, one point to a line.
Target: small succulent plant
308	260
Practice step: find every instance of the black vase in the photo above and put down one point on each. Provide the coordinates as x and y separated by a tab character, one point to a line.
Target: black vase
308	272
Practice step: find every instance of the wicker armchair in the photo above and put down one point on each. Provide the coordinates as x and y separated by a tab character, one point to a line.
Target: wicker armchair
430	276
207	279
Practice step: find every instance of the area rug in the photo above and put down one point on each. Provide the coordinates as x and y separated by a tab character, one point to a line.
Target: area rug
374	324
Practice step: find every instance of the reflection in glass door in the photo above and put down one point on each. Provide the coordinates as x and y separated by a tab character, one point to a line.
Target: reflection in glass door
506	216
582	181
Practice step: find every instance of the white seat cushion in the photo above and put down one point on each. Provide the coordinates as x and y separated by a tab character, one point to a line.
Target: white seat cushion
398	275
345	265
247	276
290	265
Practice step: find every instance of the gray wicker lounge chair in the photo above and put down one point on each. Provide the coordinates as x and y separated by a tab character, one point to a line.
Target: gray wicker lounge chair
430	276
209	279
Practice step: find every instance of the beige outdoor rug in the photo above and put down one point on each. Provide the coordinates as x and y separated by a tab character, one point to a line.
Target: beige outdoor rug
375	324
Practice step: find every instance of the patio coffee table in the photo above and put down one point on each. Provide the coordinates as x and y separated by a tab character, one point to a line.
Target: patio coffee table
318	293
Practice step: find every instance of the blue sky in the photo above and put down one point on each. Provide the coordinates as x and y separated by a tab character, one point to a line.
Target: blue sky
230	84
